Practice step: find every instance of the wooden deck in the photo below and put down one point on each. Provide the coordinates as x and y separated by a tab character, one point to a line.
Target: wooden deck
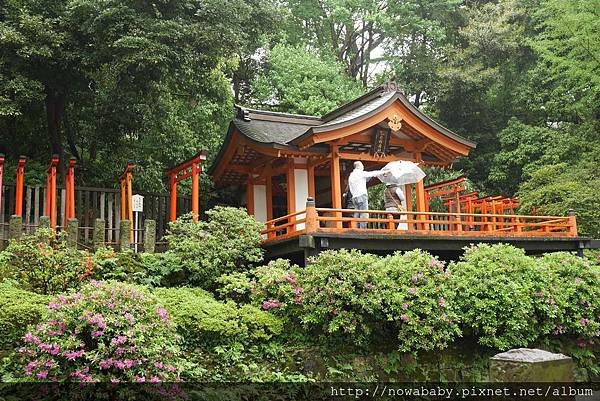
307	232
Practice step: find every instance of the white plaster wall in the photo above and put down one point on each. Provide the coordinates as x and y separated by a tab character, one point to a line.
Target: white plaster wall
301	186
260	202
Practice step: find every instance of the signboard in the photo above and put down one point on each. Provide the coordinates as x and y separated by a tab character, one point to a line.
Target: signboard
137	203
381	142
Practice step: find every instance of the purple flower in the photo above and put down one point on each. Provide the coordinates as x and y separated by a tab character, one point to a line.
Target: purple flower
271	304
119	365
72	355
97	333
30	338
129	317
140	379
118	340
154	379
43	374
129	363
404	306
578	280
404	318
162	313
106	364
584	322
412	291
158	365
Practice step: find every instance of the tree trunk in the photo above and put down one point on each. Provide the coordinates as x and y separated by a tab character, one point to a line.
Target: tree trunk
55	109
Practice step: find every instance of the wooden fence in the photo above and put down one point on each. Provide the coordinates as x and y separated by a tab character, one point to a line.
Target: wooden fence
90	204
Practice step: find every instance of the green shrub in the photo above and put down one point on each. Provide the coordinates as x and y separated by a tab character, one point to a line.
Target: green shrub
122	266
416	298
496	287
162	269
44	263
108	331
204	322
229	241
576	282
18	309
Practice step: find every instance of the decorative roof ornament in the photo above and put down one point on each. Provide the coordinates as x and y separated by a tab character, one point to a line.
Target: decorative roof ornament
390	86
395	123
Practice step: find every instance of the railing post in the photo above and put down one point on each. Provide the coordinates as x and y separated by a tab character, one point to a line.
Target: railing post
124	237
149	235
312	223
572	223
99	233
72	232
390	222
15	227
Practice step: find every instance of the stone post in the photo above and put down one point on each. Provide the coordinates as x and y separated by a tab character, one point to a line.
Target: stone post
44	223
124	235
149	235
72	232
15	227
99	233
525	365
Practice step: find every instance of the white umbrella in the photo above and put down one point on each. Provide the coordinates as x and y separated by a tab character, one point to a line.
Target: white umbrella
402	172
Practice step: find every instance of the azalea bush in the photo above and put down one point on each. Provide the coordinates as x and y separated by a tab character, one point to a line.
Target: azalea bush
576	281
415	296
228	241
106	332
501	296
272	287
339	295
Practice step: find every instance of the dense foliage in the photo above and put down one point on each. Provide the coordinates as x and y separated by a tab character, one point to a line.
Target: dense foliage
229	240
108	332
44	263
269	318
18	309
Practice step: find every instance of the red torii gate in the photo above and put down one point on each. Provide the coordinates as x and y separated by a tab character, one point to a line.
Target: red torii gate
189	168
126	183
70	191
50	209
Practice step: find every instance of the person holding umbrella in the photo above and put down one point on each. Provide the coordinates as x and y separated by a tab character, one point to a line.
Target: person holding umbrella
399	173
357	183
395	201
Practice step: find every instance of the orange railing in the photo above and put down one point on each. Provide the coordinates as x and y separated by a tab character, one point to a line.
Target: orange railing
313	220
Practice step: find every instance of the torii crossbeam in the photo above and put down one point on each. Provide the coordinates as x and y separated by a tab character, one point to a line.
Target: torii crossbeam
189	168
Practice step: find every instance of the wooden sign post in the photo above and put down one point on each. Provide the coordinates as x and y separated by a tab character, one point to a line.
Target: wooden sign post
126	182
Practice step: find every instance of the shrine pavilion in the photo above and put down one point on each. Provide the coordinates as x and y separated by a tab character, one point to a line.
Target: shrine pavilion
291	171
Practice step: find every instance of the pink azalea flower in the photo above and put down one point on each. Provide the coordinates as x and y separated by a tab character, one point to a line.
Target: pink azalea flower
43	374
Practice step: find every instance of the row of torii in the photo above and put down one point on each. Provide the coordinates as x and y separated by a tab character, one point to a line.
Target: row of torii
191	168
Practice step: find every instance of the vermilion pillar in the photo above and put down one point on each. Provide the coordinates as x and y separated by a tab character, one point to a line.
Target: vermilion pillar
19	186
70	192
191	168
126	182
50	210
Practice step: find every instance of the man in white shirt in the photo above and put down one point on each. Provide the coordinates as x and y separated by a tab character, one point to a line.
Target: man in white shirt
358	188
